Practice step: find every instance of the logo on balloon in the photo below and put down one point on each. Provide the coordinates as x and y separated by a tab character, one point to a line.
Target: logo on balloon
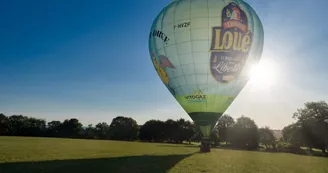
161	67
196	96
159	34
231	43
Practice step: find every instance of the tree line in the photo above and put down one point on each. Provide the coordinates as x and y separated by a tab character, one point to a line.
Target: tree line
121	128
310	130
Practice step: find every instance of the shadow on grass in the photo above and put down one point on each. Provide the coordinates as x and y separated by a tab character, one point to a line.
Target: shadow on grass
298	152
223	147
135	164
181	145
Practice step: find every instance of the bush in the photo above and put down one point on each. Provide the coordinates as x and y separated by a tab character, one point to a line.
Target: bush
289	148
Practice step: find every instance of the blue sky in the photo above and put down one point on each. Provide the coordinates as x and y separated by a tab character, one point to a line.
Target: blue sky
89	60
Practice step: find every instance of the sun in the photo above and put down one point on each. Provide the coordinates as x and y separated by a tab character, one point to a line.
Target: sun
262	75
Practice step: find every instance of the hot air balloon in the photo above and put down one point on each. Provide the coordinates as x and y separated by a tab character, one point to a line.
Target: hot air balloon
203	51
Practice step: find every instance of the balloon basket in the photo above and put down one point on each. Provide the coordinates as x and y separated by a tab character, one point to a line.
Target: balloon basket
205	146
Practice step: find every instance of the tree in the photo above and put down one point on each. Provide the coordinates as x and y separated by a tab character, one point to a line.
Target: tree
197	137
267	137
102	131
289	133
225	122
186	130
123	128
215	137
17	125
294	136
90	132
152	131
244	134
71	128
182	130
54	128
171	131
4	125
35	127
313	122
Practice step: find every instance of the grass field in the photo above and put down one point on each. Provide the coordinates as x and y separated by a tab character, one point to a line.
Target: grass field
36	155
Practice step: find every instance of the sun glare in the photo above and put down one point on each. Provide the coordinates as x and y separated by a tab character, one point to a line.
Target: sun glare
262	75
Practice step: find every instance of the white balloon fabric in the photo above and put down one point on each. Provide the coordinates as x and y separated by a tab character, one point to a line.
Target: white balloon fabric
203	51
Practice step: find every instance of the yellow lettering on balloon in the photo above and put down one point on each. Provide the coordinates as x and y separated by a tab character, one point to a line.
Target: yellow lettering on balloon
231	41
218	40
237	41
246	43
228	41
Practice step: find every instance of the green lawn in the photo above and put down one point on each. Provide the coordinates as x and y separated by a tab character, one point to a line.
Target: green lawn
24	155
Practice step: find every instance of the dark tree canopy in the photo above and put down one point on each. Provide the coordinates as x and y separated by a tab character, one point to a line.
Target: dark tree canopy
244	134
54	129
313	123
71	128
152	131
102	130
4	125
169	131
225	123
267	137
123	128
293	135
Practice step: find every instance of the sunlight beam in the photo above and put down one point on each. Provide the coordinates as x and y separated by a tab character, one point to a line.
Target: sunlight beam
263	75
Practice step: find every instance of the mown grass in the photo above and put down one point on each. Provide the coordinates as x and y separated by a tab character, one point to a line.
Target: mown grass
46	155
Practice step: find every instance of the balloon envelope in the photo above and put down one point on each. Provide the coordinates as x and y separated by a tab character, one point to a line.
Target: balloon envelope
203	51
